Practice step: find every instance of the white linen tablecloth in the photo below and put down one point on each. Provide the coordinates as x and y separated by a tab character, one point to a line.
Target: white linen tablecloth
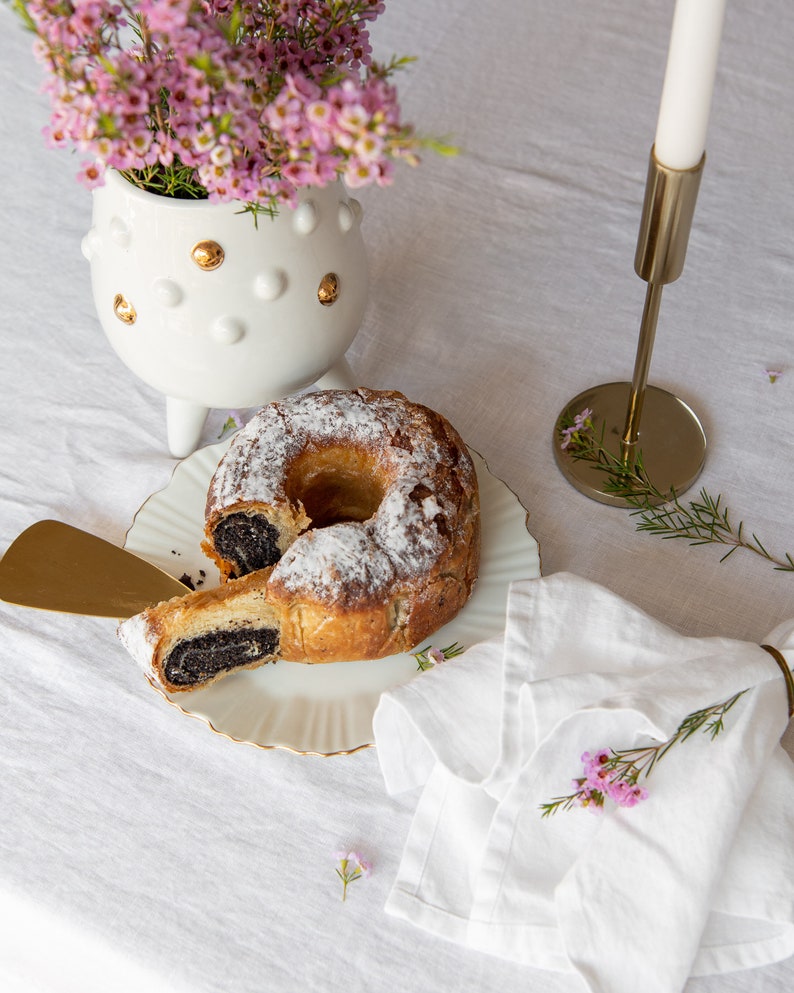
139	850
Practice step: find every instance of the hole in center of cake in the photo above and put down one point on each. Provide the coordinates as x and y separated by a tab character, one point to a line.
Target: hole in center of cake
336	485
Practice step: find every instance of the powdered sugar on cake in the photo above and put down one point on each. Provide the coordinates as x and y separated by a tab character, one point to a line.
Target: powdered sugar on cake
406	457
138	638
403	540
336	564
252	469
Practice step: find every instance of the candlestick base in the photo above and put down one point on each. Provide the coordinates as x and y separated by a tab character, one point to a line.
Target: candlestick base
671	440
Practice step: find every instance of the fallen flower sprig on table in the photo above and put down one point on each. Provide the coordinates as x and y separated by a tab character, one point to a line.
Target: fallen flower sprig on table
232	423
352	866
614	774
701	522
428	656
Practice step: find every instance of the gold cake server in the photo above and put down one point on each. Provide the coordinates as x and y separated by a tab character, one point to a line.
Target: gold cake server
55	566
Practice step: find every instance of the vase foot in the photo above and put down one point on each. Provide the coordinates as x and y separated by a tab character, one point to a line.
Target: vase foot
339	377
185	422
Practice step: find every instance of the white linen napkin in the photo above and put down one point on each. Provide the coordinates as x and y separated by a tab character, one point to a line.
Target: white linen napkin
696	879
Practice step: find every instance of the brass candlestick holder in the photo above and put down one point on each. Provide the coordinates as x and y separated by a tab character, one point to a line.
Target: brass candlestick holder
639	418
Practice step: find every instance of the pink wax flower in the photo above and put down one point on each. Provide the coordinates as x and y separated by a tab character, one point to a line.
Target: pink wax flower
351	867
606	775
573	433
91	174
429	656
284	95
634	795
232	423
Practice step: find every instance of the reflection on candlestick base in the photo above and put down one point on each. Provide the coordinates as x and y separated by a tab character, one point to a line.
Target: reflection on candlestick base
671	440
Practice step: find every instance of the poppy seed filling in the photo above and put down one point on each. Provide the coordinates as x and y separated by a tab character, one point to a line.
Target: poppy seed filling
250	541
196	660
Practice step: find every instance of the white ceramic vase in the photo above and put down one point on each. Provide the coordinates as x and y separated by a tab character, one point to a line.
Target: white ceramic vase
215	310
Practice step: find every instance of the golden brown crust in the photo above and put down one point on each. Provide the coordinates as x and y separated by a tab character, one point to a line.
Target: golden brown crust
238	609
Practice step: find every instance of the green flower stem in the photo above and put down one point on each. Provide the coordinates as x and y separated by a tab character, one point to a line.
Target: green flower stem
630	764
701	521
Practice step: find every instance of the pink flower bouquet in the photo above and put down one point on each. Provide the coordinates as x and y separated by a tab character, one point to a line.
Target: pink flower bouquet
222	99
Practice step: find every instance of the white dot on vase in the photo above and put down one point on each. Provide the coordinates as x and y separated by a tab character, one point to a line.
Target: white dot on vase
305	218
91	244
357	209
227	330
119	232
346	216
167	292
270	283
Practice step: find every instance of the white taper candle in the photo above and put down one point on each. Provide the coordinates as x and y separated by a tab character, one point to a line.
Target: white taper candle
689	82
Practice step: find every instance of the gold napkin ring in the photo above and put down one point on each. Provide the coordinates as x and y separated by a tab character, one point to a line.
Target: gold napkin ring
778	657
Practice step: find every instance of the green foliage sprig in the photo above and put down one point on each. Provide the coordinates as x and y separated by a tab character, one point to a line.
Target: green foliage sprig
702	521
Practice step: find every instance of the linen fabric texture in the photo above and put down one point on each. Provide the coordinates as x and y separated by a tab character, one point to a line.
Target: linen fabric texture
697	879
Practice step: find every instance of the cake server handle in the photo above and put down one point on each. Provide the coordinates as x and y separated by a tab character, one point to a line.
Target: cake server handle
55	566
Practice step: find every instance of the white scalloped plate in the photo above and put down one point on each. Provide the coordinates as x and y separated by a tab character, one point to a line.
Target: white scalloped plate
319	709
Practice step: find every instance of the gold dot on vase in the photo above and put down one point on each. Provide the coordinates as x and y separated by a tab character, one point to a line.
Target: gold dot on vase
328	291
207	255
124	310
